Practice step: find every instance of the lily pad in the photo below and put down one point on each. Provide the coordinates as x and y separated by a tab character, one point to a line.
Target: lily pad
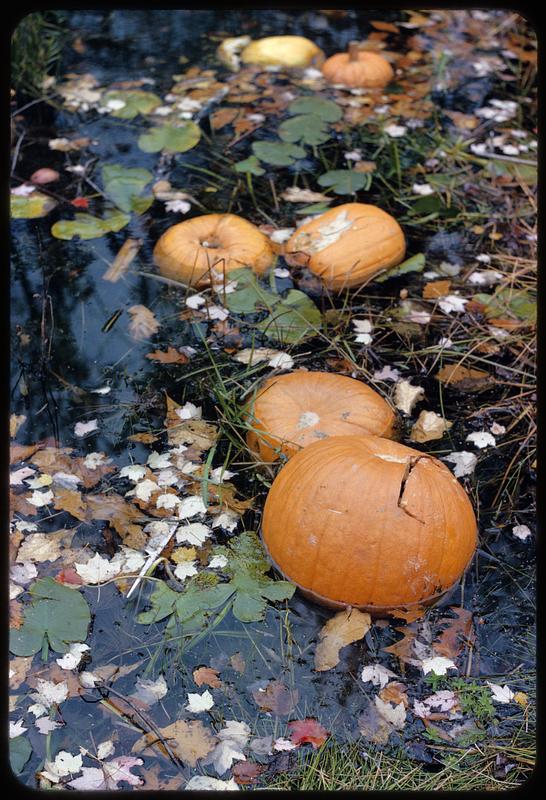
248	295
305	128
170	139
327	110
250	164
345	181
124	186
520	304
414	264
20	751
280	154
136	102
57	616
31	206
88	227
292	320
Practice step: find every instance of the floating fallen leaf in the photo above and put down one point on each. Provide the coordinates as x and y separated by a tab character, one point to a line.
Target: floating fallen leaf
429	426
170	356
207	676
521	532
276	697
438	664
465	462
459	630
436	289
394	715
109	775
188	740
309	730
204	783
395	692
501	694
377	674
143	323
481	439
124	258
247	772
346	627
199	702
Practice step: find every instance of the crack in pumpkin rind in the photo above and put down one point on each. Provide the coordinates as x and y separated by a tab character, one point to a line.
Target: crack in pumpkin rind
410	465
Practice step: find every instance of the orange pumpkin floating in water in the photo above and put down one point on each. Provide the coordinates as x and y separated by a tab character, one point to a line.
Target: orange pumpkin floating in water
194	250
358	68
293	410
366	522
347	245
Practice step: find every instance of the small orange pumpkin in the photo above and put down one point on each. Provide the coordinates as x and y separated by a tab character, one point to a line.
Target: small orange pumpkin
357	68
283	51
194	250
367	522
293	410
347	245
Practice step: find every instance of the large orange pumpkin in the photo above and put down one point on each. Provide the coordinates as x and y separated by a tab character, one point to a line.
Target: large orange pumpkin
293	410
283	51
347	245
366	522
358	69
194	250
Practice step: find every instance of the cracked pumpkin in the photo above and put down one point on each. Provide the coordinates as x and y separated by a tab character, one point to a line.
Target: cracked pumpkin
366	522
293	410
347	245
198	249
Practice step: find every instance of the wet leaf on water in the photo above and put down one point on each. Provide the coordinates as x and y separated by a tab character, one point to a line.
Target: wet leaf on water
134	101
108	775
31	206
306	128
248	295
170	139
279	154
345	181
293	319
196	432
189	741
308	731
56	612
247	772
459	630
346	627
250	165
208	677
88	227
508	302
464	379
143	323
123	185
276	697
414	264
169	356
326	110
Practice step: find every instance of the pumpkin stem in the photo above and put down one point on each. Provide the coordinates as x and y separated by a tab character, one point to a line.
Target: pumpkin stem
354	50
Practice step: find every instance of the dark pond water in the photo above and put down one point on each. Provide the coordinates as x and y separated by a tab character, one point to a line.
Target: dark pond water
57	286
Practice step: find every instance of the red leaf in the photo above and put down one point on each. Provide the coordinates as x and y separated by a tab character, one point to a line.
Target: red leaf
69	576
80	202
307	730
246	772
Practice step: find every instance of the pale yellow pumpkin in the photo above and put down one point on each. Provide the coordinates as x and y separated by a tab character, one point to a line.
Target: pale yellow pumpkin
347	245
283	51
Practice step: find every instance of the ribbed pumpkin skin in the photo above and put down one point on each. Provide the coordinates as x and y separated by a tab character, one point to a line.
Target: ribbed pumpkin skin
368	71
332	524
347	245
294	410
283	51
180	253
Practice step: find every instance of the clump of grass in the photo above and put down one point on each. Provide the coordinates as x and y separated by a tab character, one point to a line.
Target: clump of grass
36	48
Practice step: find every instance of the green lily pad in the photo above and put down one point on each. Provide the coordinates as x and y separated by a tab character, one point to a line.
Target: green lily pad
345	181
250	164
124	186
292	320
327	110
31	206
248	588
249	295
315	208
414	264
20	751
170	139
136	102
305	128
520	304
280	154
57	613
432	204
88	227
